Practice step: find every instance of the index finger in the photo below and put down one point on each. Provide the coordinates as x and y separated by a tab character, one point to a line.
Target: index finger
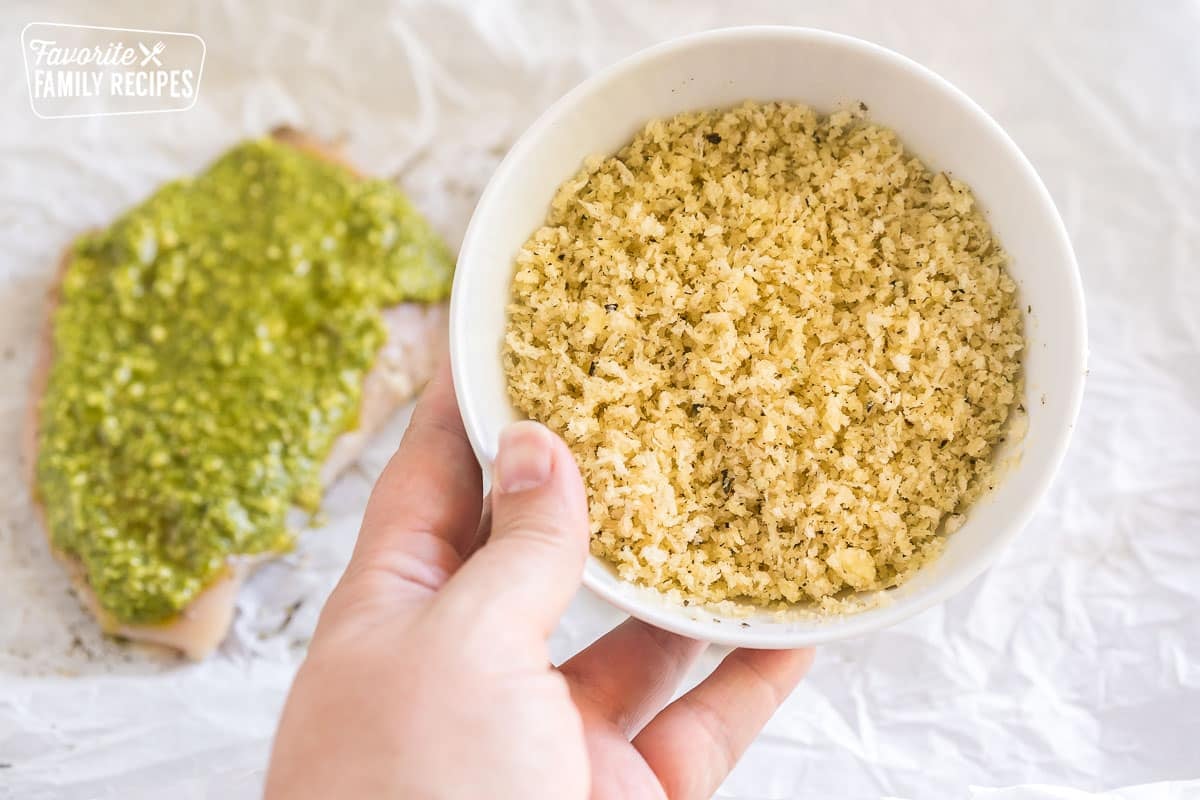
696	741
431	488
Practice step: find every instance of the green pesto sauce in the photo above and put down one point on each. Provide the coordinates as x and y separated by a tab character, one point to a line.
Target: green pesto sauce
209	348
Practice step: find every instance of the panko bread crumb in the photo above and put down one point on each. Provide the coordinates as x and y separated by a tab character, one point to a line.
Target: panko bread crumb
780	348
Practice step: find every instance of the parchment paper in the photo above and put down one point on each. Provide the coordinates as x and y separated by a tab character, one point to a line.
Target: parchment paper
1073	663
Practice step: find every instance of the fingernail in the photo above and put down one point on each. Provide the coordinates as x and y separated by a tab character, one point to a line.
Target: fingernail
523	462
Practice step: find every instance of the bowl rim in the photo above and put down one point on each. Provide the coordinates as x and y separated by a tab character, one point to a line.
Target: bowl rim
838	626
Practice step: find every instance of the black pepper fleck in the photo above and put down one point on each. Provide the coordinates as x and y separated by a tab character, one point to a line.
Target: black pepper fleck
610	306
713	138
289	615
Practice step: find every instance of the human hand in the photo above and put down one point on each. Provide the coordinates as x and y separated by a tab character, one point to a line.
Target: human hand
429	675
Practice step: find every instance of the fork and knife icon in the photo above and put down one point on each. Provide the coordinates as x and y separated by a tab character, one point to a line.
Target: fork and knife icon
151	55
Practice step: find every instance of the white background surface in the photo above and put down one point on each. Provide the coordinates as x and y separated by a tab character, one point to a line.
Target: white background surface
1075	662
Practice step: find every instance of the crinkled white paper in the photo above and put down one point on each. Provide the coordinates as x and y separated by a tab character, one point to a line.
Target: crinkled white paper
1074	663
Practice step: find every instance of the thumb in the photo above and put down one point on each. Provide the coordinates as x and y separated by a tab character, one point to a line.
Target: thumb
530	567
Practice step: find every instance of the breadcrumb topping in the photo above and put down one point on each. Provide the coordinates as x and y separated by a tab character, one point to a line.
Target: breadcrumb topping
781	349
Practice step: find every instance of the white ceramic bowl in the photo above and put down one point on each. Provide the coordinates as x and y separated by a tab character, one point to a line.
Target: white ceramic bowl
827	71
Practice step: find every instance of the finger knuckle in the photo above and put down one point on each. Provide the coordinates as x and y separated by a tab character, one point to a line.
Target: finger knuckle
420	559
